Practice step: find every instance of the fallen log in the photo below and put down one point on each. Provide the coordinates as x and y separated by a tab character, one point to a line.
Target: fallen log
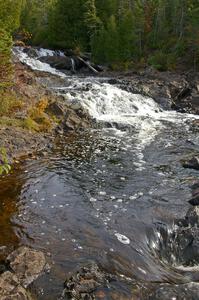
88	65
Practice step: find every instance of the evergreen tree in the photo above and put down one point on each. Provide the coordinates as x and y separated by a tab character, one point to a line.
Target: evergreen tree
9	21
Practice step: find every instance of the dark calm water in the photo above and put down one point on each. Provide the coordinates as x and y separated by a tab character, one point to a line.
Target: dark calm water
94	199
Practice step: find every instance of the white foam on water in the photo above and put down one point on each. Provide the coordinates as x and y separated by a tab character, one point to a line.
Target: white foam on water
122	238
35	64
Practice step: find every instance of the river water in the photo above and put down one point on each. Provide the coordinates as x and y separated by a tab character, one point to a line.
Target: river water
104	195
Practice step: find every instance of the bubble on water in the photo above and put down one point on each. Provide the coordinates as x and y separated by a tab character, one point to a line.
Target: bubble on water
42	199
122	239
42	233
61	206
52	206
133	197
43	222
142	270
116	206
54	195
93	200
111	249
140	194
34	202
113	197
102	193
63	239
119	200
122	178
36	191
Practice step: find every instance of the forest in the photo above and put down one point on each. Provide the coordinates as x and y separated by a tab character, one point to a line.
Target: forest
123	34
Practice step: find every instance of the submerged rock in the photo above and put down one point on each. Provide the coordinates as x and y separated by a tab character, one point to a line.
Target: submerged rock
86	282
28	264
188	291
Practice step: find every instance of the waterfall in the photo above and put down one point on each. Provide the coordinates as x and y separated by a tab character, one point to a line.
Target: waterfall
73	65
102	101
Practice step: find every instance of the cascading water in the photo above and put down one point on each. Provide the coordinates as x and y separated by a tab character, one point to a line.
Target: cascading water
108	195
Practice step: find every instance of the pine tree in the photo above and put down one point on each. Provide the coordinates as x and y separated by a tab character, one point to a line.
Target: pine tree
9	21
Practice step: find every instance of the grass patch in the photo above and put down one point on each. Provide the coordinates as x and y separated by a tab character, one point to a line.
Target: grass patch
9	103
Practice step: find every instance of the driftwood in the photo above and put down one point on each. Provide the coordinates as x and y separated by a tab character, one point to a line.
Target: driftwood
88	65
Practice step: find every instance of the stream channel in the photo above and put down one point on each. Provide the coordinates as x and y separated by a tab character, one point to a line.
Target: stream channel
107	195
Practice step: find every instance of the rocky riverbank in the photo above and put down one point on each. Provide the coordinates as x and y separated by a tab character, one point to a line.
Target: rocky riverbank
172	90
23	134
42	115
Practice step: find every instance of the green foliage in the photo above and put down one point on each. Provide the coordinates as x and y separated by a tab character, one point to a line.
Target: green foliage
117	32
10	14
5	59
9	21
162	61
4	164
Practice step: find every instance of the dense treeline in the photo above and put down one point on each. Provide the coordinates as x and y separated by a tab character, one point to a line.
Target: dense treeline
120	33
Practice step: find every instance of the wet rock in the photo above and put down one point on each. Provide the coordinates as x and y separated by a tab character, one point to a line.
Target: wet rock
58	62
86	282
56	109
74	120
32	52
192	217
28	264
10	288
192	163
194	200
188	291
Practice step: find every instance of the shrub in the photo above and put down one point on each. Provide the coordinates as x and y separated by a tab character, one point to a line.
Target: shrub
37	119
4	165
162	61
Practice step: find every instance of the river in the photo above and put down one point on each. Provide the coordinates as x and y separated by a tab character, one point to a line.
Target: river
109	194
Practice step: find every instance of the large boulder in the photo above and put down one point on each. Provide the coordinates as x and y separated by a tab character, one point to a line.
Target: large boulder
58	62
